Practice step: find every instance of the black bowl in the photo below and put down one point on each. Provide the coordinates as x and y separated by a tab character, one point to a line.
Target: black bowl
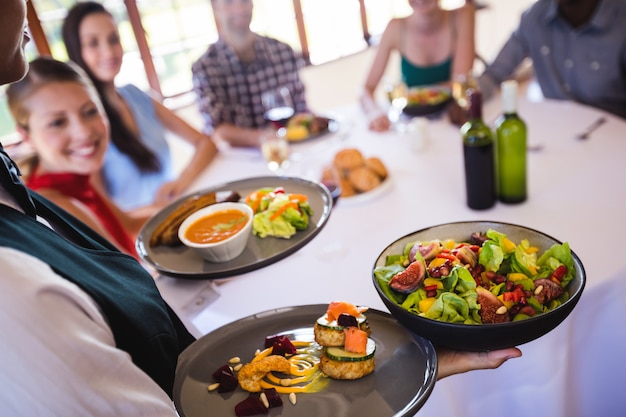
482	337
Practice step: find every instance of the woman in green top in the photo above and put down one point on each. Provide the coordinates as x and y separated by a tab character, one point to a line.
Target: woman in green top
434	45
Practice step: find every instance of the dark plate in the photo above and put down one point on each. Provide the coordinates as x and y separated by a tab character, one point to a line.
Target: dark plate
333	126
182	262
480	337
406	368
415	110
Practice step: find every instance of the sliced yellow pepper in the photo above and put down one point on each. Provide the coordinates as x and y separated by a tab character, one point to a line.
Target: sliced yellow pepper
433	281
516	276
508	244
425	304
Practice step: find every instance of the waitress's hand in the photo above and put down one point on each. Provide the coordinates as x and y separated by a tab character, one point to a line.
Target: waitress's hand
457	362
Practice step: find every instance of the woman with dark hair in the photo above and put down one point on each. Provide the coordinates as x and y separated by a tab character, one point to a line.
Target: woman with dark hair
138	168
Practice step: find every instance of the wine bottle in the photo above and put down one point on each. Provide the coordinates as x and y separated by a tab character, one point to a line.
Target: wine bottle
511	148
478	152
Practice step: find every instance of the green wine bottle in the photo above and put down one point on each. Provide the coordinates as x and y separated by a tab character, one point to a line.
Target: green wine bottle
478	153
510	148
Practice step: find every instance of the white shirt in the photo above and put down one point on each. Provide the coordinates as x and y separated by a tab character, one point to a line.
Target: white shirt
58	354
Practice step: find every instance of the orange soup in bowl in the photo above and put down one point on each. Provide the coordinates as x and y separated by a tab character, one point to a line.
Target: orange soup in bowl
216	227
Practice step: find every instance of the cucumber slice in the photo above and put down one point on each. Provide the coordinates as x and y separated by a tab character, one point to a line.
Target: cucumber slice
333	324
341	355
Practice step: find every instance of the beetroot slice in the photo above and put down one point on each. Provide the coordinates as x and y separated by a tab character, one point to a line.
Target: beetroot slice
251	406
347	320
281	345
226	378
228	383
273	398
221	371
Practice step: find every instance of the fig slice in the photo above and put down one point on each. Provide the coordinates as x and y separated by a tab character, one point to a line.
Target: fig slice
428	250
467	256
549	290
408	280
491	309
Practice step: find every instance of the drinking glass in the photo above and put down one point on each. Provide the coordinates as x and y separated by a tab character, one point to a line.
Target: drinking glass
278	107
275	150
397	93
461	83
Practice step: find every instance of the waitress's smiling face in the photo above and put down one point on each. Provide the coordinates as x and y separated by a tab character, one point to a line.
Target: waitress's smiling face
13	38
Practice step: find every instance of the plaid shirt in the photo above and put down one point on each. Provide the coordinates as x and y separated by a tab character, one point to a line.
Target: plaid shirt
229	91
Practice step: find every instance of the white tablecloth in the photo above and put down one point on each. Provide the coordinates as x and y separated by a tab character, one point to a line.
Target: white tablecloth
576	194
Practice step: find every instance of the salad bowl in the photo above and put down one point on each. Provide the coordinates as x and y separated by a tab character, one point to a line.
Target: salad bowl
480	337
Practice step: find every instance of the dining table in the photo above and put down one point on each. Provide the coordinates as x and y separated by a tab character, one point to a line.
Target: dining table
576	194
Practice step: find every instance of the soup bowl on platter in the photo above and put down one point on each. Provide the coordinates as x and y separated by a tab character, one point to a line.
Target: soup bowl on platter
219	232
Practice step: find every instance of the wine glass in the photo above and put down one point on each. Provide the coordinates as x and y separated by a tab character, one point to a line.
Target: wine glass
397	93
275	150
457	110
278	107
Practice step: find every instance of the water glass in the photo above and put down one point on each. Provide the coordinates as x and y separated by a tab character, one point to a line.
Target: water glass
275	150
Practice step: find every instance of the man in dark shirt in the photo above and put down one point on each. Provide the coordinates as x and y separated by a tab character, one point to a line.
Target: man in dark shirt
578	51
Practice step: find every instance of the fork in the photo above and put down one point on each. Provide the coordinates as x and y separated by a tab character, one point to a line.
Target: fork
587	132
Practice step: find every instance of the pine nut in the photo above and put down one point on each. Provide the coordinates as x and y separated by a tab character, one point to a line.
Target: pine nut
538	289
234	359
263	398
237	367
292	398
213	387
285	382
501	310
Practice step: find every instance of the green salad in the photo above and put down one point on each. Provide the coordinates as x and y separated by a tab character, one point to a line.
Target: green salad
277	213
489	279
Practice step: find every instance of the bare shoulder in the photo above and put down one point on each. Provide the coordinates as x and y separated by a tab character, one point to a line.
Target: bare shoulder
392	32
465	12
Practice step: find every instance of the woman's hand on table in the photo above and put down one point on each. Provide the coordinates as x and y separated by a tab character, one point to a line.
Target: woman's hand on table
379	123
457	362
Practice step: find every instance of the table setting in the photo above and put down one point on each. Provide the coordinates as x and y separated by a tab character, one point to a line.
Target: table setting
574	196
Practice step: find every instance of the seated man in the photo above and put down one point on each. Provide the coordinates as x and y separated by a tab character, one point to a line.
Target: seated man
231	76
578	51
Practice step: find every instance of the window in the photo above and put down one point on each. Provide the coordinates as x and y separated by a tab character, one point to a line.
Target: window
179	31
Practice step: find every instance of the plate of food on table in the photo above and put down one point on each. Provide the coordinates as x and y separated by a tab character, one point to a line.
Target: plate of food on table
303	127
361	177
286	213
336	359
426	100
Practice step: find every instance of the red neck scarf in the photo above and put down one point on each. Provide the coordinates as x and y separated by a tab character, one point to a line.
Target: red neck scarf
78	186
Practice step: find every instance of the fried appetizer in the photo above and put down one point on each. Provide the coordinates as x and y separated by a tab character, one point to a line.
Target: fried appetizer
251	374
339	363
329	328
166	233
